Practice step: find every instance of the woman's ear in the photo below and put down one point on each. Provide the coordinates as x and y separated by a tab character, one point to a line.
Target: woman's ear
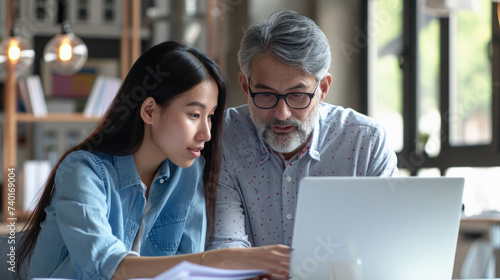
147	109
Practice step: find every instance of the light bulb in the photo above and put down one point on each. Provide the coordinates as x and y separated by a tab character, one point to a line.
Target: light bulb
19	52
14	51
65	50
65	54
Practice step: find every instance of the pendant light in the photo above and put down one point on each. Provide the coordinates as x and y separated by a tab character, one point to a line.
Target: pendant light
66	53
15	49
18	51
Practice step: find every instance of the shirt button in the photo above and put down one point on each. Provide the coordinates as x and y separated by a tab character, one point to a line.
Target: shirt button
161	181
288	178
289	216
315	153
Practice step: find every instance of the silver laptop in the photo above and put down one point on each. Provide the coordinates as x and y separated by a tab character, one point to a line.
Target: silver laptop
370	228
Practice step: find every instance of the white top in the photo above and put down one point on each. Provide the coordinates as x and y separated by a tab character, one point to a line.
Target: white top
136	247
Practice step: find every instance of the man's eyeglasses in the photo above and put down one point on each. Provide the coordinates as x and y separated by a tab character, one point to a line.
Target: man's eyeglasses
269	100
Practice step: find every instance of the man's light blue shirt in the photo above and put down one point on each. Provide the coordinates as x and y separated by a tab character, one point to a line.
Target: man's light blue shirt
97	208
258	188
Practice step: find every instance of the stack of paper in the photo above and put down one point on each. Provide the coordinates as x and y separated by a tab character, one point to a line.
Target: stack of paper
187	270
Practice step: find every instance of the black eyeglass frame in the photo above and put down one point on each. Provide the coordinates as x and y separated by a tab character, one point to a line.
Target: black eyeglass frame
285	96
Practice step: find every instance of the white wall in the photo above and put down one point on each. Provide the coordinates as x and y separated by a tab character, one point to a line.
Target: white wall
340	20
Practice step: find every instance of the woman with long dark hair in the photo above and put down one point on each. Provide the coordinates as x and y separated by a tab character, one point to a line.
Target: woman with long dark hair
143	183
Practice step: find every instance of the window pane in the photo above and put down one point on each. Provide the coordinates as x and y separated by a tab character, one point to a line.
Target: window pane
481	192
109	10
83	10
404	172
41	9
470	115
429	172
429	118
385	28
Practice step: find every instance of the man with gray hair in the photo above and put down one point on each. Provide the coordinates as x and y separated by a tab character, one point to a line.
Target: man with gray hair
286	132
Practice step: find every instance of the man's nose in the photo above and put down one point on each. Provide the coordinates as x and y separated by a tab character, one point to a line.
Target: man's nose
282	110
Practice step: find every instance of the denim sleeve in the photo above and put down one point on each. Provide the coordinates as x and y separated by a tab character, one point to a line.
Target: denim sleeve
229	214
82	214
193	237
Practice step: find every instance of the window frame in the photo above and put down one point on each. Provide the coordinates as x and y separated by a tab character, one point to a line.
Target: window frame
409	157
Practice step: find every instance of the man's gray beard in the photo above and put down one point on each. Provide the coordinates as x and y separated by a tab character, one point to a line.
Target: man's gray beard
290	141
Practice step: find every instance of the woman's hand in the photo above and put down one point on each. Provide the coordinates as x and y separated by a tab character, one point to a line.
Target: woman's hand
272	277
274	258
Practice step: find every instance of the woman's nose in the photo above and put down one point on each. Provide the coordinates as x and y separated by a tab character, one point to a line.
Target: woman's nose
204	131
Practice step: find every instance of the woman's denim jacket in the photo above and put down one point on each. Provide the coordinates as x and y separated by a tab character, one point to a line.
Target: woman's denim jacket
96	210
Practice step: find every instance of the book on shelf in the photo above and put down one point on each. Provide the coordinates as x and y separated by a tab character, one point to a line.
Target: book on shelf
23	93
103	92
32	95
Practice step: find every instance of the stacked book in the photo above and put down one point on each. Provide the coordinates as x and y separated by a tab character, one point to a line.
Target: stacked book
102	94
32	95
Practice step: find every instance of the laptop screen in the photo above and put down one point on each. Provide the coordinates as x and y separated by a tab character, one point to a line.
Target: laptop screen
376	228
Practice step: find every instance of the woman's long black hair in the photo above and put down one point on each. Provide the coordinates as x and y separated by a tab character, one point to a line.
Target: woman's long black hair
162	72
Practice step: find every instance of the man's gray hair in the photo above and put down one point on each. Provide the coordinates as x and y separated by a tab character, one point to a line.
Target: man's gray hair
294	39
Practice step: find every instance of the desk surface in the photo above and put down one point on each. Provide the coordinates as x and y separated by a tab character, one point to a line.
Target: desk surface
467	220
484	218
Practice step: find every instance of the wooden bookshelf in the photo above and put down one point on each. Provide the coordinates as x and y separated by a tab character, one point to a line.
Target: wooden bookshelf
130	50
13	211
76	117
10	175
130	35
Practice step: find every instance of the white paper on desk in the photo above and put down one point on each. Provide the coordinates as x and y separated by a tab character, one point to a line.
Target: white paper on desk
191	271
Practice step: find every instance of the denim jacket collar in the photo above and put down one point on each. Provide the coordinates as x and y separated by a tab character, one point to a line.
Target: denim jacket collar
129	176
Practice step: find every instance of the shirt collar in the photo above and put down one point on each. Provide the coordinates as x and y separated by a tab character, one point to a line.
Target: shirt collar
128	174
314	149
